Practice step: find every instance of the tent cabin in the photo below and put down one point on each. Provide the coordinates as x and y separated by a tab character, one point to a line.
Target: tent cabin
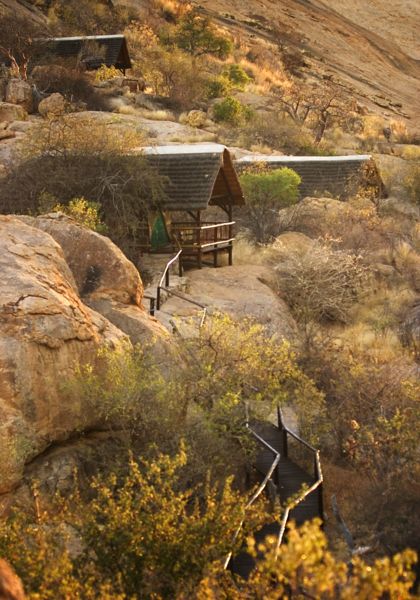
338	176
93	50
201	189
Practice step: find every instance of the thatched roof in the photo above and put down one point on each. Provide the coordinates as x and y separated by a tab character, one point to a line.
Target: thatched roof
198	175
336	175
113	50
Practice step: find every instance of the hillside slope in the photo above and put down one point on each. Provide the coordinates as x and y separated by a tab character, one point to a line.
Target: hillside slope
373	51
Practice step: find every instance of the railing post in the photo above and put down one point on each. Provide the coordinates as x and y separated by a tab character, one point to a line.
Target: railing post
321	503
283	440
158	298
152	307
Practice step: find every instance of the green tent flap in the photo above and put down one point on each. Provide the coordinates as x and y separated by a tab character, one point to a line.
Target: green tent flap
159	237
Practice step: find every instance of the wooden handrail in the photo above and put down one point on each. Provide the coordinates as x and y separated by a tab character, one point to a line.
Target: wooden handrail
188	225
316	485
260	488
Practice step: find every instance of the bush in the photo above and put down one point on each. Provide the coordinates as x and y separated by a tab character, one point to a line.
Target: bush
266	192
275	131
236	75
231	111
322	284
74	157
143	537
218	87
412	182
105	73
74	85
172	73
374	424
197	35
81	210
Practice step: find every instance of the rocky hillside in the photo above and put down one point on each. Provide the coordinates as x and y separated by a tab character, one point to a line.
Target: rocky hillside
371	48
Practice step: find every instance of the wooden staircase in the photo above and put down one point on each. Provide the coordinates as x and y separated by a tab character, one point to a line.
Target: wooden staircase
299	490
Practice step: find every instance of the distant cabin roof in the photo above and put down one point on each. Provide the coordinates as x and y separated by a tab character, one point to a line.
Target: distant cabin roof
115	49
300	159
339	176
198	175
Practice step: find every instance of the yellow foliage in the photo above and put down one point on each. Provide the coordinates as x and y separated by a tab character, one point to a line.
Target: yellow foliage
105	73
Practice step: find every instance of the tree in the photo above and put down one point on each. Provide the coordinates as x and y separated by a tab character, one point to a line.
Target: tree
20	42
72	157
197	36
305	568
266	192
319	106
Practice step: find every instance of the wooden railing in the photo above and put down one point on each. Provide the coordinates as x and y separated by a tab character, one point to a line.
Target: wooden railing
270	477
191	235
317	486
163	286
273	477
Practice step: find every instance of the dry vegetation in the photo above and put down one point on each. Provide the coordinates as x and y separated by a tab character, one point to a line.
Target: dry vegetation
350	273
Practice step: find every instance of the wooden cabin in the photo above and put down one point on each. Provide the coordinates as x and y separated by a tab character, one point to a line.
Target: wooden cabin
93	50
202	189
336	176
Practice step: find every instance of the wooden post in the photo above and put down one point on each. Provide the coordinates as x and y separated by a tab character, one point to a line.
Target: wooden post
230	254
283	435
199	258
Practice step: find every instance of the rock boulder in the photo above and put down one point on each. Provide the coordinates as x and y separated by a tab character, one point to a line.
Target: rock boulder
54	104
45	330
19	92
12	112
11	587
106	280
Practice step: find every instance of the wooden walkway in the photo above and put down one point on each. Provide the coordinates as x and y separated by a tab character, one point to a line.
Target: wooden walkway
289	480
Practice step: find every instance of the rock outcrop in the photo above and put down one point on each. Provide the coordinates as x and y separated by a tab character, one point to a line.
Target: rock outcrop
10	585
106	280
241	292
12	112
19	92
54	104
45	330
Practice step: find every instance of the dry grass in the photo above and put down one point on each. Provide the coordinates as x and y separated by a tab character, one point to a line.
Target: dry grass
200	136
157	115
247	253
126	109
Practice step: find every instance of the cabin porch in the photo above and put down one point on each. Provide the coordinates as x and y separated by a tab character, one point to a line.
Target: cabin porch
197	239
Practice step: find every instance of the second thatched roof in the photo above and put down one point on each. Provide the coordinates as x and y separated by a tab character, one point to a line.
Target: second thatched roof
198	175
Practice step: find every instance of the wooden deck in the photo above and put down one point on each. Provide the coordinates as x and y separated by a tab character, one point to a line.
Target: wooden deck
196	239
289	479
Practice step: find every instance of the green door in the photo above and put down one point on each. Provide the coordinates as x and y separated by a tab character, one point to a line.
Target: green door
159	238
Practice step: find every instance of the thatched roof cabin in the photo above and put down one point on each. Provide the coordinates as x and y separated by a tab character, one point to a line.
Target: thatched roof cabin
200	178
96	50
338	176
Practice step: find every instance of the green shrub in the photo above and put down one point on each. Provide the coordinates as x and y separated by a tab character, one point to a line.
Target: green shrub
237	76
84	212
198	36
231	111
218	87
266	192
